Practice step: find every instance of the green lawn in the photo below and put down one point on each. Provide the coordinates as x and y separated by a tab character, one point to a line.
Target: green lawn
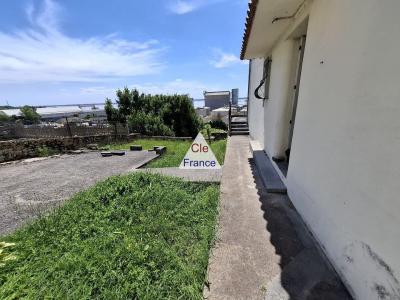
139	236
176	150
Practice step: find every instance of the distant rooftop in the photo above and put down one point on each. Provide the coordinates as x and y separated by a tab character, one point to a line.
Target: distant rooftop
217	93
57	110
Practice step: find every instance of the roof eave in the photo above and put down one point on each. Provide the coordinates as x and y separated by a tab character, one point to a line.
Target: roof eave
251	12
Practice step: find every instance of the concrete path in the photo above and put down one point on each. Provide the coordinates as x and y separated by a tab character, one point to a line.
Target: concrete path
188	175
30	187
262	249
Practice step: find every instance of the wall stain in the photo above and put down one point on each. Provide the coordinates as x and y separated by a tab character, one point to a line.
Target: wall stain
381	291
380	262
386	286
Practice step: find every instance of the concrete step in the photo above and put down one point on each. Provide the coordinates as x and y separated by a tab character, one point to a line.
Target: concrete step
268	174
239	132
239	129
238	123
234	125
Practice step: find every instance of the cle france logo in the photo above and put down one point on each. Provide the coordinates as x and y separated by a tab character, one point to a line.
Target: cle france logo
199	156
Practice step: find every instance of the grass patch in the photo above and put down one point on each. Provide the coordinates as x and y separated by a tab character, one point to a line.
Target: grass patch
140	236
45	151
176	150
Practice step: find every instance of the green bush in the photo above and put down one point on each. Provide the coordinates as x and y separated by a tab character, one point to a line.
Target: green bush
4	117
29	114
45	151
154	114
148	124
218	124
179	114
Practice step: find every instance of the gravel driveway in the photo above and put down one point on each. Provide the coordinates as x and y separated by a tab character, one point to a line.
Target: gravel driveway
28	188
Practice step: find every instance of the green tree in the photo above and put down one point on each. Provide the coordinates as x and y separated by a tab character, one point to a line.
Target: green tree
179	114
29	114
4	117
154	114
148	124
111	112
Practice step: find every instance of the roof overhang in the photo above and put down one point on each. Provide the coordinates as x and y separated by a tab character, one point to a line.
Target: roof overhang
266	21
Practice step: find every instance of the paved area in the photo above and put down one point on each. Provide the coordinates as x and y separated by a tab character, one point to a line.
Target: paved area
189	175
262	249
28	188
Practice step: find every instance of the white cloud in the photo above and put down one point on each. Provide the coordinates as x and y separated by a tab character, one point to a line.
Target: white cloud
182	7
178	86
225	60
98	90
44	53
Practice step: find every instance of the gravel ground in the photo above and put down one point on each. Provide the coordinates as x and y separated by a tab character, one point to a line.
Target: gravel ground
30	187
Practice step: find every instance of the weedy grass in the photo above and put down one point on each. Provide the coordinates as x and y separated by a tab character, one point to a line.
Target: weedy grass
139	236
176	150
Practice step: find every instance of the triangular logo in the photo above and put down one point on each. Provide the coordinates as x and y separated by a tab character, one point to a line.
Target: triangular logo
199	156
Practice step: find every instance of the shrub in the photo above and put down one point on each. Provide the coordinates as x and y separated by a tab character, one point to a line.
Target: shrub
29	114
148	124
154	114
218	124
4	117
207	130
179	114
45	151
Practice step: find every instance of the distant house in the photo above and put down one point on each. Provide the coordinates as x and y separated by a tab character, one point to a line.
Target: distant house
324	105
217	99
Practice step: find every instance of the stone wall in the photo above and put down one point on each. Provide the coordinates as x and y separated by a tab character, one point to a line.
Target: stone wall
68	130
26	148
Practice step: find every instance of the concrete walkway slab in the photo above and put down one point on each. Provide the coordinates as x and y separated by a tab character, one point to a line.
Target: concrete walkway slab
188	174
262	248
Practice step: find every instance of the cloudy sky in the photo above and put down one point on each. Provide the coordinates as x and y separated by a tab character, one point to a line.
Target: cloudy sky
59	52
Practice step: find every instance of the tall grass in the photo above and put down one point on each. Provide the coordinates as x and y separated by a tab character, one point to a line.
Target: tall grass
140	236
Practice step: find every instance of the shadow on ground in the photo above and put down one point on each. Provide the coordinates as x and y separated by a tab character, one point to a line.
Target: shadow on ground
305	274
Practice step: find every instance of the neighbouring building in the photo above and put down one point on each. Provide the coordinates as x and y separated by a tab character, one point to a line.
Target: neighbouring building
324	99
54	113
235	97
202	111
217	99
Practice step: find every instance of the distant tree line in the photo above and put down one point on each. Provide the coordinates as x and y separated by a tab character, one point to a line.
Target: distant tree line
28	115
167	115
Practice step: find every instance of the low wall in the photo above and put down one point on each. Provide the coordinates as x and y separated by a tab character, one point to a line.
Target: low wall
156	137
37	131
27	148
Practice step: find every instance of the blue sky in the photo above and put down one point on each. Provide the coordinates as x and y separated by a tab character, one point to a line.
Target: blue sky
75	51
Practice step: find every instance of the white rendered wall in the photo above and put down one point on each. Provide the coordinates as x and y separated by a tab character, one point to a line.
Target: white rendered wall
276	108
256	109
344	172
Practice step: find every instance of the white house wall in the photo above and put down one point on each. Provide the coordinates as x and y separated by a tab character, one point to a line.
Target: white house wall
344	172
276	112
256	109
